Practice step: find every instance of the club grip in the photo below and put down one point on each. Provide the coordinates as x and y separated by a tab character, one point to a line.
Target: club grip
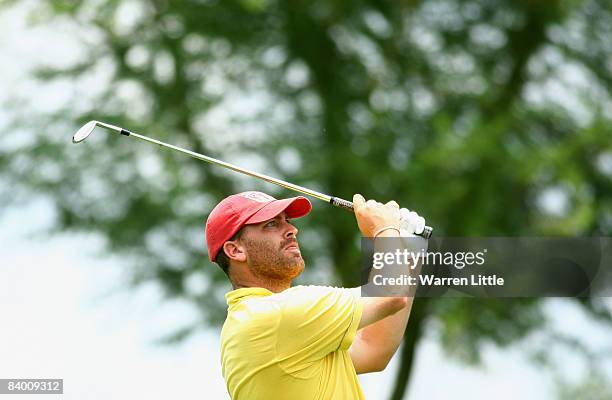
338	202
347	205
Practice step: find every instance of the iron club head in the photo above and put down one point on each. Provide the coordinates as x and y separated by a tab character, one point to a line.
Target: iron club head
84	131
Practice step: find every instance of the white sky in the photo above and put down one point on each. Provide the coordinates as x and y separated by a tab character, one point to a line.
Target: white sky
58	321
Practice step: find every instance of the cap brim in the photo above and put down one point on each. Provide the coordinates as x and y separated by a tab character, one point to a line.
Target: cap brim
294	207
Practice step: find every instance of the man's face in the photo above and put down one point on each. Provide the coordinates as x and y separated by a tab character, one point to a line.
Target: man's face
272	250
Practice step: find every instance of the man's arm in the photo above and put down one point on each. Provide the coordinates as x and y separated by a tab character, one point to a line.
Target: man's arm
375	344
384	319
376	309
377	340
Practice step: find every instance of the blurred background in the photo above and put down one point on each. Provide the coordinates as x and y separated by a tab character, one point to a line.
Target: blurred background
489	118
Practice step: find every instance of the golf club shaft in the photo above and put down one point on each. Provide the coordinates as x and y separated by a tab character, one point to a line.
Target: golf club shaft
236	168
336	201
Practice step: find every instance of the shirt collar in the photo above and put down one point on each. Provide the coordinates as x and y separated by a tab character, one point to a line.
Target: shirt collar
236	295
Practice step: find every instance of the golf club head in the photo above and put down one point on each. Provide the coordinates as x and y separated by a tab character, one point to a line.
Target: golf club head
84	132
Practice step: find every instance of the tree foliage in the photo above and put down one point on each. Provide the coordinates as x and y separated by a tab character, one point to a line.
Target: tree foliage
489	118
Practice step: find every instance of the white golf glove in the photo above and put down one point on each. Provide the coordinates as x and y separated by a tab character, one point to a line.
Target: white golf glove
411	223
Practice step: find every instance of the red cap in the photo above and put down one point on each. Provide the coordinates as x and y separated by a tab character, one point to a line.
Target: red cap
237	210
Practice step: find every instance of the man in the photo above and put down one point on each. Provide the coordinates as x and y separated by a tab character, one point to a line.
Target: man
302	342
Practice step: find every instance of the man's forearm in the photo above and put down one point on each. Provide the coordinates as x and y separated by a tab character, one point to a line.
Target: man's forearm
385	336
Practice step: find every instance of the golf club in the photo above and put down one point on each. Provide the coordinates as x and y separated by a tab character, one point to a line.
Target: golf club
89	127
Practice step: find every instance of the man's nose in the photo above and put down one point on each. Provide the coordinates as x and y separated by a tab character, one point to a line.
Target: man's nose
292	231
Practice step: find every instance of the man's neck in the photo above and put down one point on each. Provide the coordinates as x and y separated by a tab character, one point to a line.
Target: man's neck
274	286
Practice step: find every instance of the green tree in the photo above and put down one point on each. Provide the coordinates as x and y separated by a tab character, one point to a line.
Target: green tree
470	112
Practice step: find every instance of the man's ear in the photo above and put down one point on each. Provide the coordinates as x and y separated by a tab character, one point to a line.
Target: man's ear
234	250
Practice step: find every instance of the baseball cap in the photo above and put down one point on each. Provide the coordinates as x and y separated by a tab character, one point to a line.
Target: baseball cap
245	208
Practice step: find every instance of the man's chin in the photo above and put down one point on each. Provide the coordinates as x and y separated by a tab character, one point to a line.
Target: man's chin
296	268
284	268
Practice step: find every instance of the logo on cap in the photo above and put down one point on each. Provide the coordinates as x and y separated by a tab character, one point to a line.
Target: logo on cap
257	196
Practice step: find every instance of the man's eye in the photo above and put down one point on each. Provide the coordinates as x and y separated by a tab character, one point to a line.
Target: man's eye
271	223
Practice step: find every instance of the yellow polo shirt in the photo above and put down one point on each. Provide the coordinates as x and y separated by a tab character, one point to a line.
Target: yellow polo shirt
290	345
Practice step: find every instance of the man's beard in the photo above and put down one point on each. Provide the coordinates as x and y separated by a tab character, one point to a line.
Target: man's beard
267	260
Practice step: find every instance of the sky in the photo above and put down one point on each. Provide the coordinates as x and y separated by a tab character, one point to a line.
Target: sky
66	313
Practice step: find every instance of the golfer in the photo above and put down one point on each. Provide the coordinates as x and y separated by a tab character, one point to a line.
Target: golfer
301	342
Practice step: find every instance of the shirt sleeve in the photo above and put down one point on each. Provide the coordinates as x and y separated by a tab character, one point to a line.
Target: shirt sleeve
316	321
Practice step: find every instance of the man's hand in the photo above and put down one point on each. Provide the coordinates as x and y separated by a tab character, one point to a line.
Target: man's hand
372	215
